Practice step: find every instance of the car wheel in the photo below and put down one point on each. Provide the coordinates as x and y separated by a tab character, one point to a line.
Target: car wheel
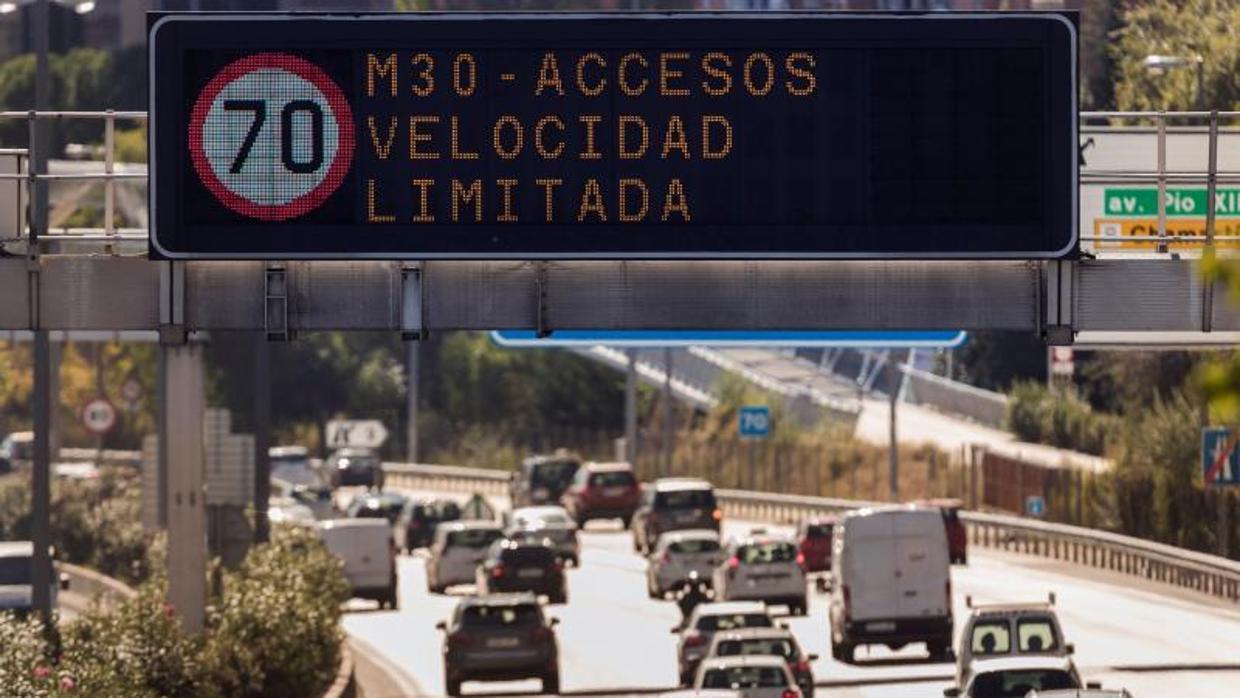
651	591
453	687
844	652
551	683
626	521
938	651
575	560
801	608
560	598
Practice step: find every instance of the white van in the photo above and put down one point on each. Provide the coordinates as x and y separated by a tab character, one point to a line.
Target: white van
369	555
16	569
891	581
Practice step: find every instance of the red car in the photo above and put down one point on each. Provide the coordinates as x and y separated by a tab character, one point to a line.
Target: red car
957	537
603	491
814	543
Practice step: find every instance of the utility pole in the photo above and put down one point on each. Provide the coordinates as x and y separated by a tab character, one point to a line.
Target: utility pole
893	447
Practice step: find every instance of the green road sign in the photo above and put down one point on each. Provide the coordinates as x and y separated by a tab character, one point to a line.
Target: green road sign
1131	202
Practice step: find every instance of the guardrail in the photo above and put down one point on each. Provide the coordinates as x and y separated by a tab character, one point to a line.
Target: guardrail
1184	569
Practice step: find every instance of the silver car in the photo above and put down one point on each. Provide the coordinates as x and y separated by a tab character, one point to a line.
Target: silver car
678	554
754	676
777	642
707	619
459	547
547	524
763	568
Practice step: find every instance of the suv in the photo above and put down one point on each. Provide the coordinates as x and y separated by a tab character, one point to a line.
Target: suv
355	466
778	642
677	556
814	543
376	505
751	676
499	638
990	630
957	536
541	480
763	568
1017	676
674	504
419	520
511	566
707	619
603	491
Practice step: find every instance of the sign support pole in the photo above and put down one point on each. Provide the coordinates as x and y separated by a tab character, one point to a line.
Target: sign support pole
630	408
893	448
413	377
187	521
667	411
262	436
40	490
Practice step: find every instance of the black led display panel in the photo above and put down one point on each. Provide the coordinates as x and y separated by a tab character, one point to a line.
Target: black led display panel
641	136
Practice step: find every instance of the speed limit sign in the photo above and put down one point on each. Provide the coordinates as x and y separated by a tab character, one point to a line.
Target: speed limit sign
98	416
271	136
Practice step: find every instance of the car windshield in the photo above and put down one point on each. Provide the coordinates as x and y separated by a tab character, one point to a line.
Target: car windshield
553	473
501	616
473	538
814	531
765	553
528	555
774	646
1036	635
1018	683
733	621
685	499
14	570
21	450
694	545
745	677
289	461
991	637
619	478
358	460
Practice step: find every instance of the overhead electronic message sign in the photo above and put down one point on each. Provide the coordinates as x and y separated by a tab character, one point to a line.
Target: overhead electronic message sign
539	136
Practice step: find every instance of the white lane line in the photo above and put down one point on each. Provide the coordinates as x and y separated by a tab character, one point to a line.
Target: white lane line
404	681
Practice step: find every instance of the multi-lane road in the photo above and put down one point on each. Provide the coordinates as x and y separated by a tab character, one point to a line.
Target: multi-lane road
614	640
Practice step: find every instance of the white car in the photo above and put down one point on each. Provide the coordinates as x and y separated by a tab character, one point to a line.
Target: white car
708	618
1017	677
763	568
457	550
678	554
777	642
754	676
550	524
366	548
1081	693
996	630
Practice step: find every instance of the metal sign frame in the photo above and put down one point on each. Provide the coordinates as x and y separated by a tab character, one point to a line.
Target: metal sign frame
728	338
158	139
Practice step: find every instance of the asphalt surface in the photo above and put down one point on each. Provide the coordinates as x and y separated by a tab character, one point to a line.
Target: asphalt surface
615	641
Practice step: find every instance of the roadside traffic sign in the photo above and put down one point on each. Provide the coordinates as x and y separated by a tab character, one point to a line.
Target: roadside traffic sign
1220	464
98	416
730	338
362	433
754	421
1035	506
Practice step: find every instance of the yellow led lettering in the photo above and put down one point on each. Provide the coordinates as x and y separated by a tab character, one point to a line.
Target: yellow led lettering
457	153
497	140
506	216
424	204
590	120
714	64
667	74
626	87
549	75
461	195
415	137
626	121
466	60
675	201
371	215
548	186
708	152
540	146
624	214
675	138
385	69
800	65
769	66
427	76
600	84
382	150
592	202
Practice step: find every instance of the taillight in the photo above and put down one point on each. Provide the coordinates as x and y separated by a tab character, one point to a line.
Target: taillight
801	560
717	515
497	571
949	593
734	562
789	693
694	640
459	640
540	633
847	601
667	557
801	667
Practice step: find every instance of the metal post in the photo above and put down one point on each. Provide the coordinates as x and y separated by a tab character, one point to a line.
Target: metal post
1162	182
161	428
40	490
630	409
667	410
893	445
413	377
40	14
187	520
262	436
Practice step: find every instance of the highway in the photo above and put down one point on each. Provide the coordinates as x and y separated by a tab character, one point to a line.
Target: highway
614	640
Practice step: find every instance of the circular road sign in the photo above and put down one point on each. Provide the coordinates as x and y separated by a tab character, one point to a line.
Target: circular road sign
271	136
98	416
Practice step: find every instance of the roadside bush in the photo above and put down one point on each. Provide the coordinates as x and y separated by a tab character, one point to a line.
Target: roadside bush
1057	417
25	668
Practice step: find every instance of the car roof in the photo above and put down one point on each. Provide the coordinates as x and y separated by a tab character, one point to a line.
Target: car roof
540	511
743	660
1083	693
17	548
723	607
675	484
554	458
702	693
506	599
277	451
688	534
982	665
354	451
469	525
754	634
354	523
382	497
608	467
762	539
1007	610
21	436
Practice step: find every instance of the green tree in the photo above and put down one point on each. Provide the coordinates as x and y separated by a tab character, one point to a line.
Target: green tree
1205	28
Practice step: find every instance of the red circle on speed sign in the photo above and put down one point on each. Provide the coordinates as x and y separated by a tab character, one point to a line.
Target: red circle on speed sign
98	416
271	136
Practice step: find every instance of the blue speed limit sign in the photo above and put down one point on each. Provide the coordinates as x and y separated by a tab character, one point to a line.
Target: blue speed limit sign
754	421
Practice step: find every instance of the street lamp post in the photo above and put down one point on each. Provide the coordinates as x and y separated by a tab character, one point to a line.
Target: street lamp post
1159	64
